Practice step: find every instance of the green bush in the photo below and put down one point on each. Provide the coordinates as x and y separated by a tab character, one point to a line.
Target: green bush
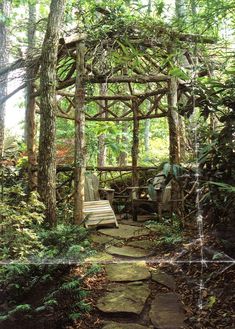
19	224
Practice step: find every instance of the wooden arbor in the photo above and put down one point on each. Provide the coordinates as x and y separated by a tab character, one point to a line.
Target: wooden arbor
142	71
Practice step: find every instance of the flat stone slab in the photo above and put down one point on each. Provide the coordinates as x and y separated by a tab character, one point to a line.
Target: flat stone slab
167	312
102	239
128	251
127	272
164	279
100	257
144	244
125	231
124	298
131	222
118	325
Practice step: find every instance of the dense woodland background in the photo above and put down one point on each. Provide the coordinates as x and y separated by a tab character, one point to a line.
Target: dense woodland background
155	82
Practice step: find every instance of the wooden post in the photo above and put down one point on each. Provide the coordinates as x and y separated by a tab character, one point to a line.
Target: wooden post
173	122
101	158
135	153
174	136
80	151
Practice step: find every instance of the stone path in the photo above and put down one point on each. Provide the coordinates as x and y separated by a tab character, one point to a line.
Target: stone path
122	272
125	231
124	298
128	251
167	312
128	301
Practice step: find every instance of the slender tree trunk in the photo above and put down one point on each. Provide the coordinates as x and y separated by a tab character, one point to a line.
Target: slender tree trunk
30	126
47	151
80	151
147	132
101	141
122	158
4	10
149	6
173	122
180	9
182	138
135	145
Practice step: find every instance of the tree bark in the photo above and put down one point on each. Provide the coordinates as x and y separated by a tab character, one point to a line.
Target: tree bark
80	151
47	151
135	146
4	10
30	125
173	122
147	132
122	158
101	140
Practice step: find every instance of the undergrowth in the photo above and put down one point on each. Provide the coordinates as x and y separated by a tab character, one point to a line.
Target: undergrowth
36	264
169	230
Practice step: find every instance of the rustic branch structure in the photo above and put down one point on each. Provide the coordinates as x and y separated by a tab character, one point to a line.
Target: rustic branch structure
145	77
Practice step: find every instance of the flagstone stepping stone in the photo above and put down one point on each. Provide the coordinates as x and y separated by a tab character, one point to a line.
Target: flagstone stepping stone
118	325
102	239
164	279
144	244
99	257
124	298
128	251
131	222
125	231
167	312
127	272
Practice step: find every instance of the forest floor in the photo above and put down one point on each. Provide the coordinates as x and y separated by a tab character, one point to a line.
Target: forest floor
149	275
144	285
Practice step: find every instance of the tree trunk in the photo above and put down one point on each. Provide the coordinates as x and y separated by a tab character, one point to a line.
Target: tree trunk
135	145
47	151
101	140
173	122
122	157
182	138
147	135
80	151
30	126
4	10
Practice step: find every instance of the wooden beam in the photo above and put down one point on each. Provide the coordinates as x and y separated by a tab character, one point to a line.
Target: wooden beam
118	79
135	145
128	79
88	118
72	40
118	97
5	98
67	168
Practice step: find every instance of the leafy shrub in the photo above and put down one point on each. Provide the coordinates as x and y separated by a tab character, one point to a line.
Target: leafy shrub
19	225
170	231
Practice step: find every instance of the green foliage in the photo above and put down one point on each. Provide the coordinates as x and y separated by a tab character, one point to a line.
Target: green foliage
170	231
211	301
66	242
19	223
179	73
224	187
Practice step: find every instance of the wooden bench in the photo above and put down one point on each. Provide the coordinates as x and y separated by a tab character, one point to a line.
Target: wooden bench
98	212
